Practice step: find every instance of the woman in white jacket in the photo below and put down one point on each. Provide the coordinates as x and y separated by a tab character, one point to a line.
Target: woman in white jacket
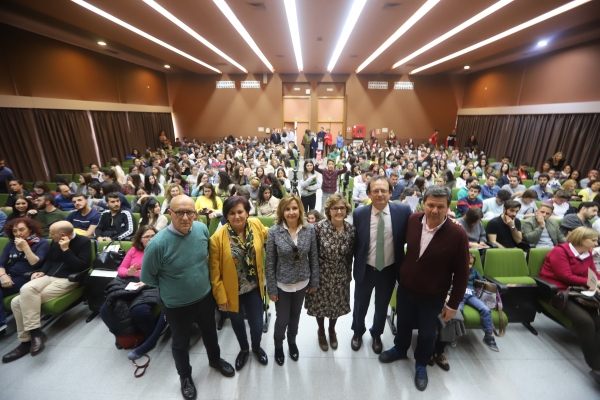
309	182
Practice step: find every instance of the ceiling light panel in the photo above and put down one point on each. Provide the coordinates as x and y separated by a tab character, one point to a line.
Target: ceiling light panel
142	33
355	11
425	8
490	10
292	17
541	18
242	31
192	33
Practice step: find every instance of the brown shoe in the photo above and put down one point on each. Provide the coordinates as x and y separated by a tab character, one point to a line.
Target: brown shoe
20	351
37	344
377	345
356	342
442	361
333	342
323	342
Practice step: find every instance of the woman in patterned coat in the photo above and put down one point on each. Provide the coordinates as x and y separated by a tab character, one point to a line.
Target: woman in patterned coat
335	238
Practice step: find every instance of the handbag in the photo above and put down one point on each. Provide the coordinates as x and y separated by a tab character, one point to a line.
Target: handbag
489	294
559	301
110	258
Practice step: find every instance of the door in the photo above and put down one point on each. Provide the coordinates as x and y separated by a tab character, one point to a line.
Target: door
332	114
296	114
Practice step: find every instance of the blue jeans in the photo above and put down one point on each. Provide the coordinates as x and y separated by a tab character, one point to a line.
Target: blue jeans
484	311
251	304
18	281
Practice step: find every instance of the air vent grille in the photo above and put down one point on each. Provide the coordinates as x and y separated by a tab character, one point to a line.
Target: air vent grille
377	85
250	85
404	86
225	85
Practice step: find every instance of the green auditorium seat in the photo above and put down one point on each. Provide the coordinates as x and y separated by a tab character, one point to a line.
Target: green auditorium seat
214	224
3	198
455	193
267	221
29	186
6	300
68	176
453	205
130	198
527	183
509	267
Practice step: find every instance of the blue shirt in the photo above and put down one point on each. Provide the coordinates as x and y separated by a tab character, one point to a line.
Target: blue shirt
488	193
3	218
64	204
541	193
82	222
6	175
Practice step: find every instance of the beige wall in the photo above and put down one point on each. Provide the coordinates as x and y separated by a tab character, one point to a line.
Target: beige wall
563	76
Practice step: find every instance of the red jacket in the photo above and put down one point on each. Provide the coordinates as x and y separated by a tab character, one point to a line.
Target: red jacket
563	269
328	140
445	262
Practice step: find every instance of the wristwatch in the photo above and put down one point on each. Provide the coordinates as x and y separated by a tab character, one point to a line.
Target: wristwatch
513	228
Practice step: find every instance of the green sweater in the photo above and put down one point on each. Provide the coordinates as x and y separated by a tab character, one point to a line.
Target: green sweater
178	265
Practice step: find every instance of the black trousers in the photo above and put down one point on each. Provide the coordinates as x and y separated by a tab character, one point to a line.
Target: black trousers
425	313
587	328
289	308
180	321
383	282
309	202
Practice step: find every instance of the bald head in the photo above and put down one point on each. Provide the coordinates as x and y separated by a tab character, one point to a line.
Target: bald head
182	202
62	227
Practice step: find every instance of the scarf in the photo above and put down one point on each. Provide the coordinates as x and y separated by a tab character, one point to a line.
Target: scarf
33	239
249	251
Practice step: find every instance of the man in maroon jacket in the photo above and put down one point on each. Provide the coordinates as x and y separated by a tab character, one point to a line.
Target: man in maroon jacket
437	257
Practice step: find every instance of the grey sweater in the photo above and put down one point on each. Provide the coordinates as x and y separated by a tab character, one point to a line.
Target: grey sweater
280	263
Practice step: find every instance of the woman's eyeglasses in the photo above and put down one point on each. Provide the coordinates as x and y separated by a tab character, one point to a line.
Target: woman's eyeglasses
338	209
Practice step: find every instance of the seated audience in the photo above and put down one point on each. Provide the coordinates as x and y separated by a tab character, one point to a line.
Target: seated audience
514	187
359	192
560	204
543	191
115	223
266	205
141	196
84	219
471	223
314	217
39	188
84	181
63	180
209	203
471	201
253	188
494	207
553	181
461	181
585	212
153	188
464	191
276	187
63	199
106	188
69	253
542	230
591	191
568	265
152	215
6	175
524	171
505	231
489	190
25	252
17	188
20	208
544	170
570	186
593	174
45	213
173	190
528	205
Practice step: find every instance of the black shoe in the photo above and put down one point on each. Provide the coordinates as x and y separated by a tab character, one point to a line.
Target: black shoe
356	342
391	355
421	378
377	345
279	356
188	390
261	355
21	350
241	359
294	353
224	367
37	344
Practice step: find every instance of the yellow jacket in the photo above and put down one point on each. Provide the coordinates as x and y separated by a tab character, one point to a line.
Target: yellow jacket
223	275
205	202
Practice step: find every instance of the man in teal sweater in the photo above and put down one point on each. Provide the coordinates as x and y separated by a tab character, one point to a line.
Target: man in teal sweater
175	261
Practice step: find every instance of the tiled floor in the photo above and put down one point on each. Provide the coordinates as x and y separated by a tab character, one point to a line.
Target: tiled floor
81	362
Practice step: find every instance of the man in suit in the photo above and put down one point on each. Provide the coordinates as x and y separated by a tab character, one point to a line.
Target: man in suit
275	137
437	257
378	254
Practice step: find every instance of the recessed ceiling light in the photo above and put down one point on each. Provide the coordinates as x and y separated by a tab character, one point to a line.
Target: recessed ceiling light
242	31
425	8
504	34
193	33
464	25
355	11
141	33
466	67
292	17
102	43
542	43
167	66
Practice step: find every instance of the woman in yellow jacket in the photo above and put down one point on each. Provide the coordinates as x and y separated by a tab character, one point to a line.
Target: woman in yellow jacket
236	274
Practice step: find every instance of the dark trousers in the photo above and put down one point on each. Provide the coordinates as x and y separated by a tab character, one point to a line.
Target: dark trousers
309	202
180	321
383	282
288	308
251	304
142	319
424	312
18	281
306	152
587	328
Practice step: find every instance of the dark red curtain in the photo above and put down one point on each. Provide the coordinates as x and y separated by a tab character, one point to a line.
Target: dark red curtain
112	134
145	129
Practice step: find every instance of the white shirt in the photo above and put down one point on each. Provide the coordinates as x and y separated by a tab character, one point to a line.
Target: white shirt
388	243
596	225
427	234
293	287
576	253
560	211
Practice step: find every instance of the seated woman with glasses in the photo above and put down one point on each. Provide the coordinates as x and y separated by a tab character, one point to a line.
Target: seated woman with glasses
237	276
292	269
125	314
209	203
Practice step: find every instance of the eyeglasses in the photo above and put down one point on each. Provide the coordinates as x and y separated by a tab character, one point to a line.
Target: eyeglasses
180	214
296	254
338	209
380	191
147	237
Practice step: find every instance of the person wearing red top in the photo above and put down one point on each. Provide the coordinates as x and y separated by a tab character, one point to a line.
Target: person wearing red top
568	264
328	141
433	137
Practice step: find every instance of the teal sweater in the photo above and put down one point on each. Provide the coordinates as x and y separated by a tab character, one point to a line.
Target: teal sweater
178	266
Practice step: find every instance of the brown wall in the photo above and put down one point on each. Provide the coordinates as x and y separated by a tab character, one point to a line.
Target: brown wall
563	76
200	110
34	65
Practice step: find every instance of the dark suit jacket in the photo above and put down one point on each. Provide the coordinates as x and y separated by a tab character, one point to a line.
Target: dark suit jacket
362	220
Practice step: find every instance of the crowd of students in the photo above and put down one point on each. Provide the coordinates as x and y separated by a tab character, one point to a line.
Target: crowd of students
308	255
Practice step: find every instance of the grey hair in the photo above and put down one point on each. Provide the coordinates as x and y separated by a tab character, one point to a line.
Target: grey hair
438	191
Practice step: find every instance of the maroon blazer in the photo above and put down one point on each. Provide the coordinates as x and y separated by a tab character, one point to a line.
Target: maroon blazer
563	269
445	262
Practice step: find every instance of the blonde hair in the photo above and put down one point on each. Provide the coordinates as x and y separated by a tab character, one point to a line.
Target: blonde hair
255	182
578	235
168	196
335	198
283	203
568	183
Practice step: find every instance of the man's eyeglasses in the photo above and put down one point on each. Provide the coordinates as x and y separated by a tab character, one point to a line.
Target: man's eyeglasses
296	254
379	191
180	214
